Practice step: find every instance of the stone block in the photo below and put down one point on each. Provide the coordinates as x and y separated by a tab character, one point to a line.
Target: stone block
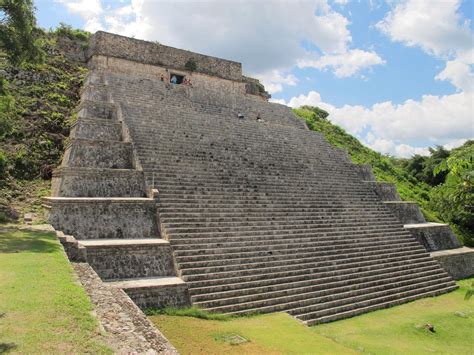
95	218
88	153
124	259
91	182
434	236
459	263
98	129
156	292
93	109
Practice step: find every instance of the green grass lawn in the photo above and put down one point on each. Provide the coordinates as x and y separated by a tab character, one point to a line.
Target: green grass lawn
42	308
398	330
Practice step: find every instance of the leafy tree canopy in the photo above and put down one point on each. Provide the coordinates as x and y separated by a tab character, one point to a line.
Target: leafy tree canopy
19	37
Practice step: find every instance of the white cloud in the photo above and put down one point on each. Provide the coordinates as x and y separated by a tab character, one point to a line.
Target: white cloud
344	64
439	30
435	27
398	129
265	36
274	80
459	74
89	10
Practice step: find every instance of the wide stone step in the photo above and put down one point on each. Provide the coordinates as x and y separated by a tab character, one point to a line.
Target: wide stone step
99	218
237	265
302	261
316	226
88	153
316	293
277	223
93	182
381	303
198	220
324	299
278	209
267	246
331	237
129	258
312	278
234	261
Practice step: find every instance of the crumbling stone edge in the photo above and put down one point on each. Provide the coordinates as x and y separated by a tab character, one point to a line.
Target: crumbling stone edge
128	329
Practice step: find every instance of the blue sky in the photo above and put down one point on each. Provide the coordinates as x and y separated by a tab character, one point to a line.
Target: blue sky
397	74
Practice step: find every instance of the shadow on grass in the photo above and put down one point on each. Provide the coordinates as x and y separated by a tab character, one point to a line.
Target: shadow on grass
18	241
6	347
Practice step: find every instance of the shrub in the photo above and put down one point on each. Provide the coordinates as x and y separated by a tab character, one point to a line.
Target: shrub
74	34
191	65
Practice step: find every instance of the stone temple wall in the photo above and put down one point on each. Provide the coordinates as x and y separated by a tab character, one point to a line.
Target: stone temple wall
142	70
112	45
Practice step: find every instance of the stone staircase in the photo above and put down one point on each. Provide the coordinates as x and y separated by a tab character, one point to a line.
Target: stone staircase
267	216
100	199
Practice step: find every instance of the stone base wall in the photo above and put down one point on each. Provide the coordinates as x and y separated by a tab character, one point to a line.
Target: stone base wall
164	296
459	263
134	50
434	236
198	80
131	261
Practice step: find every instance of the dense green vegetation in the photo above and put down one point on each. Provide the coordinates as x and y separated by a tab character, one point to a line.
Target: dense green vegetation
42	312
441	183
36	104
398	330
20	39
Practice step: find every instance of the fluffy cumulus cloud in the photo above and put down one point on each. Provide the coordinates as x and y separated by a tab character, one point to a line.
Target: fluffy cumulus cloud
440	31
397	129
265	36
90	10
345	64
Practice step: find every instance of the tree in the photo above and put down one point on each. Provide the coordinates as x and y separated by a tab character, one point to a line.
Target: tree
454	200
19	37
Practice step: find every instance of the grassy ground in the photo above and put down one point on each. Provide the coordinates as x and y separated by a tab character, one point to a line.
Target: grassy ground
42	309
398	330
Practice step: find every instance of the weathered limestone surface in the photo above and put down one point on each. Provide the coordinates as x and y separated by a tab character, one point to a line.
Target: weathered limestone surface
407	212
434	236
96	218
459	263
262	214
91	182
